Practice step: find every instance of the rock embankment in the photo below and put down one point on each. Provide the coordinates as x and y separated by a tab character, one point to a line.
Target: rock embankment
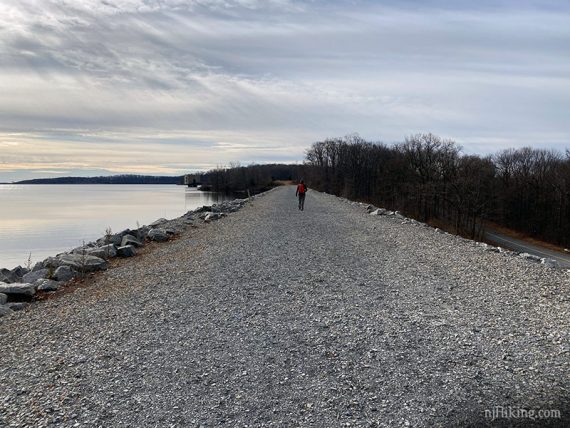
18	286
278	317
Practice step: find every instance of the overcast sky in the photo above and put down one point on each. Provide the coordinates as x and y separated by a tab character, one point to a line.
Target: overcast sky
91	87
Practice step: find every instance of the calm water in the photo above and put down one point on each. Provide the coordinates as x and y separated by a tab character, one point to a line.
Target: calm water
47	219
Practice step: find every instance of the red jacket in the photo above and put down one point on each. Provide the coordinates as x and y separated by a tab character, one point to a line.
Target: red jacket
301	189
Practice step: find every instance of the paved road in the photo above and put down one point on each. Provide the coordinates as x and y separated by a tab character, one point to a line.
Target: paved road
524	247
275	317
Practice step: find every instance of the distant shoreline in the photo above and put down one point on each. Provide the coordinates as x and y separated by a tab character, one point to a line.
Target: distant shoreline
111	184
112	179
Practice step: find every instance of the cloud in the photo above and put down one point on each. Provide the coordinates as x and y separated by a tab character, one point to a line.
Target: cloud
210	81
165	153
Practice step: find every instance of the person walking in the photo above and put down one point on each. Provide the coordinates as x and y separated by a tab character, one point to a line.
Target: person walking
301	190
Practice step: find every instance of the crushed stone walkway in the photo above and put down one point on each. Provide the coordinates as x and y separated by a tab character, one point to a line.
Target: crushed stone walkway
276	317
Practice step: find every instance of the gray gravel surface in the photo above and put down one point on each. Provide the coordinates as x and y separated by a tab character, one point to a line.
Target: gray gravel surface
276	317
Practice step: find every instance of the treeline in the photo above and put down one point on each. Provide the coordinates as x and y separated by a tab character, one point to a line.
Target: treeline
253	178
429	178
113	179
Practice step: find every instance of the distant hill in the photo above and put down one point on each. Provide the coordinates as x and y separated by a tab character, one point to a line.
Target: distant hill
113	179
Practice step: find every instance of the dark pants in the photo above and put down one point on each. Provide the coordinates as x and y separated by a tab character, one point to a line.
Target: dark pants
301	201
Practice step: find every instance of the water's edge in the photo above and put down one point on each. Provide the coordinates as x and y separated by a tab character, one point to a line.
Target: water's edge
37	221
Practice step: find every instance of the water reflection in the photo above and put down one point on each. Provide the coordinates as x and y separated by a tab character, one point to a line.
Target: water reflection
48	219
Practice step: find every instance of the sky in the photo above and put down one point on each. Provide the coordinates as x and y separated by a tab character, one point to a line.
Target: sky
166	87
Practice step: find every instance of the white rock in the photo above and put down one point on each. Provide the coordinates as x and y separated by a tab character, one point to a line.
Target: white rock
47	285
212	216
130	240
549	262
379	211
82	263
531	257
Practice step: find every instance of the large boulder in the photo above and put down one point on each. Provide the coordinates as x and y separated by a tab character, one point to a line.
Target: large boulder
115	239
104	252
83	262
97	252
38	266
46	285
142	232
84	249
130	240
111	239
110	250
18	291
31	277
127	251
5	310
159	235
20	271
8	276
63	274
17	306
52	263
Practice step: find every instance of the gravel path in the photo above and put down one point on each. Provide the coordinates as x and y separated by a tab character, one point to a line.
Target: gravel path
275	317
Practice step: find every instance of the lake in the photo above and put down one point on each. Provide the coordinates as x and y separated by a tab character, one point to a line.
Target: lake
45	220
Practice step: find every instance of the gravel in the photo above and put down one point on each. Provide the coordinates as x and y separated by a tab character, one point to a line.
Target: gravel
276	317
